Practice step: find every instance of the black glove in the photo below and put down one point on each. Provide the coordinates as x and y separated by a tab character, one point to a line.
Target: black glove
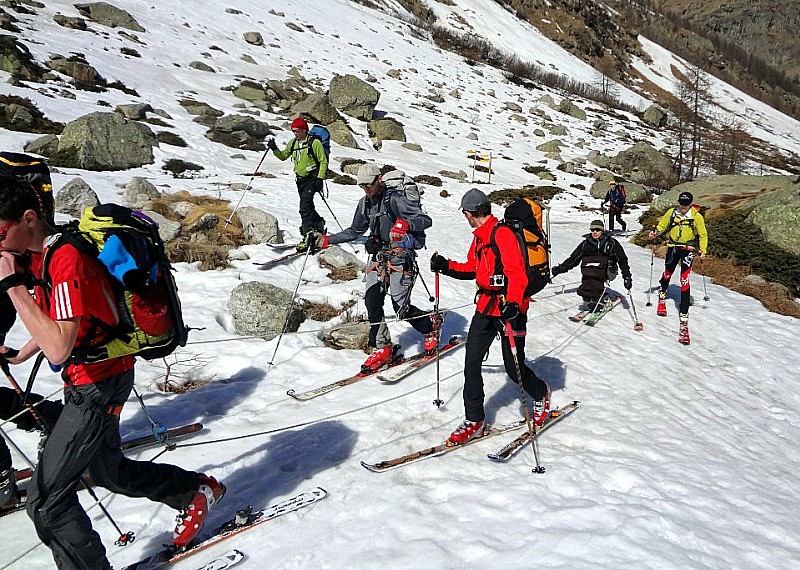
372	246
439	263
628	282
557	270
509	311
272	145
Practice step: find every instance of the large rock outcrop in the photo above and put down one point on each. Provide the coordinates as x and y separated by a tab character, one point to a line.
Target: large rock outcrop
259	309
353	96
105	14
105	141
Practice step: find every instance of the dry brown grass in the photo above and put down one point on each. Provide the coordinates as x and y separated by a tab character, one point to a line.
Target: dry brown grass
338	274
323	312
211	247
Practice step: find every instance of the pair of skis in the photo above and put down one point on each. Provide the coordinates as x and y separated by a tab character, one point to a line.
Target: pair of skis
595	316
286	257
245	519
505	453
394	372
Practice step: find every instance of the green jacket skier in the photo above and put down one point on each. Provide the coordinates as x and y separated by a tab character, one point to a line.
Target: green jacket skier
310	169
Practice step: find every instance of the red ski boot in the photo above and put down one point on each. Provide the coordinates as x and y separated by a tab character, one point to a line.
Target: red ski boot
466	431
191	519
430	342
683	335
661	309
541	409
380	358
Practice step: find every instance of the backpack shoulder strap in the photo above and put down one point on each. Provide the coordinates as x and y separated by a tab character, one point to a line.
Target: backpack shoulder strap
67	234
311	138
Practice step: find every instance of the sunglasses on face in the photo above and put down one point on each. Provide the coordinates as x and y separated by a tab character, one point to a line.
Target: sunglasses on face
597	230
5	228
298	130
368	185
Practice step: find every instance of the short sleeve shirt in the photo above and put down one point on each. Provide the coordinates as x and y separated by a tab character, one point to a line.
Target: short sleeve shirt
81	288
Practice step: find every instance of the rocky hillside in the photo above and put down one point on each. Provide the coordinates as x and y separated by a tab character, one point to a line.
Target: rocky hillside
766	29
750	44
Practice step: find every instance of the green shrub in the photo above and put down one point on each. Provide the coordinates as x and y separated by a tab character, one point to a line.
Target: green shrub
731	235
179	167
507	195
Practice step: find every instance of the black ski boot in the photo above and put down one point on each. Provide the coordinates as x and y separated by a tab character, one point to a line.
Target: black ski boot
9	494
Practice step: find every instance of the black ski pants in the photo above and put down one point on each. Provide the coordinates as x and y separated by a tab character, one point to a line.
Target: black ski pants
11	405
86	439
482	332
307	187
615	213
685	257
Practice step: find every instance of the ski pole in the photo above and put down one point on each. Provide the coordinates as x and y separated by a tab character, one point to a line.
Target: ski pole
431	298
650	284
703	273
637	324
125	538
335	219
31	409
531	429
291	306
438	402
247	189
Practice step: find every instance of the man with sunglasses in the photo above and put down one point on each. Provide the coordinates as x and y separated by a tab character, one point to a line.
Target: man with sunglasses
685	230
397	229
310	168
86	435
496	264
595	254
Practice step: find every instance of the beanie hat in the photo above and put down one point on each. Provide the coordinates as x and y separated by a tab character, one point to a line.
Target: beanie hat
367	173
597	225
300	123
685	199
612	182
472	199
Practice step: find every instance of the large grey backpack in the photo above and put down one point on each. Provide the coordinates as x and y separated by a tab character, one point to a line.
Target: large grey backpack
398	182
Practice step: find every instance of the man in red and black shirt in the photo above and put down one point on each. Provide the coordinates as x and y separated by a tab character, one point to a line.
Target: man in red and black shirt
495	262
86	435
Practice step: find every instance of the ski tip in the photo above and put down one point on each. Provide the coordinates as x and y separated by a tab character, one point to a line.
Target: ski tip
369	467
493	457
319	492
